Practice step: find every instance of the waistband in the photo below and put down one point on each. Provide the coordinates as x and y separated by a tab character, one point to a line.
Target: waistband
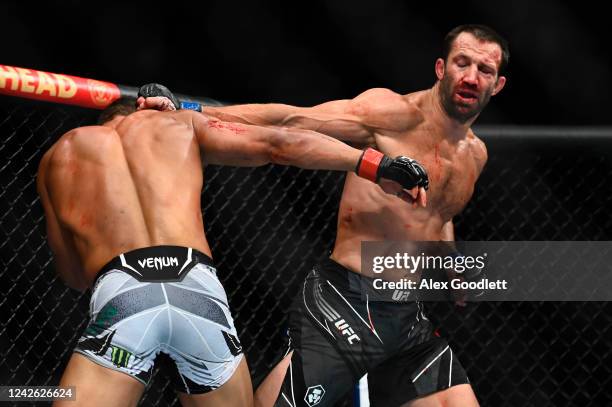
339	275
347	280
157	263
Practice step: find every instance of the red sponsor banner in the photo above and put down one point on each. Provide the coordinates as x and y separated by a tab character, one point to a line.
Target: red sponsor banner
58	88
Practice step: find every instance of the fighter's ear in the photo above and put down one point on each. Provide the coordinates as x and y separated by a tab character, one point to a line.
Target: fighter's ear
501	81
440	67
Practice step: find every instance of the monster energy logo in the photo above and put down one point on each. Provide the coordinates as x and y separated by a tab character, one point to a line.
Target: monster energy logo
120	357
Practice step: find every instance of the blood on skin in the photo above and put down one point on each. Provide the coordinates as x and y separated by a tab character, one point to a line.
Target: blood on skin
70	207
216	124
85	220
437	164
349	218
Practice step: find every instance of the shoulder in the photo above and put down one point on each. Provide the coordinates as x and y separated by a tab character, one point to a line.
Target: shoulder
85	135
379	94
81	141
383	98
388	108
66	147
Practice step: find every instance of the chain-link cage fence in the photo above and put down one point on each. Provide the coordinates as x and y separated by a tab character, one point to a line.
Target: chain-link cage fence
267	228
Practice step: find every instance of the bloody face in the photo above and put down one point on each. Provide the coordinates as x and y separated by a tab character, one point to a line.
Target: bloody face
470	76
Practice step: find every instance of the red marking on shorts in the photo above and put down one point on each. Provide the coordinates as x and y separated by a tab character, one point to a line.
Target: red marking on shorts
437	333
371	323
216	124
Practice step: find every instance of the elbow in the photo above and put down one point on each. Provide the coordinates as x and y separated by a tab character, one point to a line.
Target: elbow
284	146
292	120
73	280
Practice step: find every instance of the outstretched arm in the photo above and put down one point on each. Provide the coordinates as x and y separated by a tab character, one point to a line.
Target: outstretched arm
331	118
239	144
225	143
353	120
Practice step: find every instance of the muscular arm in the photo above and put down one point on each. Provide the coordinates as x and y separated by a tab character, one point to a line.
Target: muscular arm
238	144
67	263
355	120
329	118
269	114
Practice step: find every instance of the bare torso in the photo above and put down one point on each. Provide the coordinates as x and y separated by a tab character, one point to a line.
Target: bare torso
453	163
136	185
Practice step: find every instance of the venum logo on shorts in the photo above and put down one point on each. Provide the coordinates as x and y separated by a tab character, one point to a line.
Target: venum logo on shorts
347	331
158	262
314	395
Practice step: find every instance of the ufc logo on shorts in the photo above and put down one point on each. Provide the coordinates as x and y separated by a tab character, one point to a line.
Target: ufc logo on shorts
346	330
400	295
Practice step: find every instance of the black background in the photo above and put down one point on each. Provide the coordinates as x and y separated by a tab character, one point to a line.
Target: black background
307	52
268	226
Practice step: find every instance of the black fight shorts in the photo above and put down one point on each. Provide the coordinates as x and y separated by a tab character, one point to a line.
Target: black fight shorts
337	334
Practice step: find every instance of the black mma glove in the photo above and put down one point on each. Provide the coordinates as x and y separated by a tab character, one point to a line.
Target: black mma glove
155	89
374	165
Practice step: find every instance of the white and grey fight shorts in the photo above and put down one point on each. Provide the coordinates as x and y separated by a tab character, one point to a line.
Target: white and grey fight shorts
162	299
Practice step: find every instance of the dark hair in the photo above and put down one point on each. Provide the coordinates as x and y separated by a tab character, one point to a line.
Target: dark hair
123	106
481	32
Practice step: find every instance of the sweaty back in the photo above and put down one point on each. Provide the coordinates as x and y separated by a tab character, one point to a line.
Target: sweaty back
135	184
